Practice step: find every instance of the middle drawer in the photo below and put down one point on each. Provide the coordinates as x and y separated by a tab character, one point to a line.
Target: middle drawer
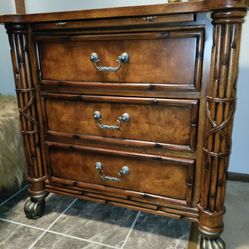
169	123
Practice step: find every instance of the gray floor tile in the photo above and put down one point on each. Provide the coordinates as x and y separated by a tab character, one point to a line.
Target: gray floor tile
91	221
54	241
6	193
16	237
97	222
13	209
236	234
154	232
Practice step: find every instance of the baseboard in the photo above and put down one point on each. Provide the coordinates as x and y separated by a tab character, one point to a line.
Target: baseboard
232	176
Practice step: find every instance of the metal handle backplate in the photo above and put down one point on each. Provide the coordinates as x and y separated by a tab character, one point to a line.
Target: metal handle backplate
123	58
123	171
125	117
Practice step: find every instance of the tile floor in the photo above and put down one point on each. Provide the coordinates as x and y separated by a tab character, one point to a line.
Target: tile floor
236	233
77	224
70	223
236	220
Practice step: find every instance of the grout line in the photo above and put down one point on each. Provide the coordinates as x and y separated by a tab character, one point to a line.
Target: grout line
129	233
66	209
12	196
67	235
21	224
58	233
86	240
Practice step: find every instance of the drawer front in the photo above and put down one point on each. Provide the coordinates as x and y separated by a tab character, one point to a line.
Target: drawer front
165	58
132	22
168	123
162	176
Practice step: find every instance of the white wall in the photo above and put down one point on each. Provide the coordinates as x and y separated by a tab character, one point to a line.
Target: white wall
34	6
6	76
240	150
238	162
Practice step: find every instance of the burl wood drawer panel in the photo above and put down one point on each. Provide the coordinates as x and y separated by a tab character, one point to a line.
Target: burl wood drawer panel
170	123
166	58
162	176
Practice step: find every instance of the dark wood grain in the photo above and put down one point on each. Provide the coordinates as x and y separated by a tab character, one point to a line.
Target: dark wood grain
127	22
27	98
157	176
138	196
166	204
186	7
121	89
179	88
155	57
164	122
220	110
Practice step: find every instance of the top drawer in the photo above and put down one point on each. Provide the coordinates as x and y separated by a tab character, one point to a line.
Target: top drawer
164	59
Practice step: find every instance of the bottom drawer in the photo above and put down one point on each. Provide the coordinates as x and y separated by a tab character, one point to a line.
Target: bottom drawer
163	176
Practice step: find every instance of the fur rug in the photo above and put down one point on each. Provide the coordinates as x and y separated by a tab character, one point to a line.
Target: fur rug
12	162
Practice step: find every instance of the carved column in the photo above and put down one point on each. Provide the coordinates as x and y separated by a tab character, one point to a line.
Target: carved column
30	127
221	100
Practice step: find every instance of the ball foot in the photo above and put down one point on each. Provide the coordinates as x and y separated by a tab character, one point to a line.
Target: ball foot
34	209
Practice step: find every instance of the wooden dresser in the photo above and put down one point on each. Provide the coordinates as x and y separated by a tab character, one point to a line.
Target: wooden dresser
131	106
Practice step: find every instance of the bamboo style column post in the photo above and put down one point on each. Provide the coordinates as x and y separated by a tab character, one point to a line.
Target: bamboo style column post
26	91
220	108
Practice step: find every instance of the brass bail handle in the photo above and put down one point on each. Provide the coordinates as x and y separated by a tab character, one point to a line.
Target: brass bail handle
123	171
122	59
124	118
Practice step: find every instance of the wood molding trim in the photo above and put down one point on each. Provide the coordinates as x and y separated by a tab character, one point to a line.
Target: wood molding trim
73	167
232	176
146	10
20	6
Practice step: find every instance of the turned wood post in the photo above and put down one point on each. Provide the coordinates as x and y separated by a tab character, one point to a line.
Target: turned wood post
220	107
28	103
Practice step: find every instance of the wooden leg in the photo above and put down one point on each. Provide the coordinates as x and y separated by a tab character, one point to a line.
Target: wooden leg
220	108
28	98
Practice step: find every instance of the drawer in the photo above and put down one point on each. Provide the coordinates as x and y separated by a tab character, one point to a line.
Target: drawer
160	123
164	59
131	22
162	176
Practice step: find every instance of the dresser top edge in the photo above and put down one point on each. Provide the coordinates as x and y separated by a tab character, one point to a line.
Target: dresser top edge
141	10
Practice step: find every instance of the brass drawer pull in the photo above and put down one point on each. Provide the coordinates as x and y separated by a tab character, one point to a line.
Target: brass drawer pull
123	58
125	117
150	18
60	23
123	171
